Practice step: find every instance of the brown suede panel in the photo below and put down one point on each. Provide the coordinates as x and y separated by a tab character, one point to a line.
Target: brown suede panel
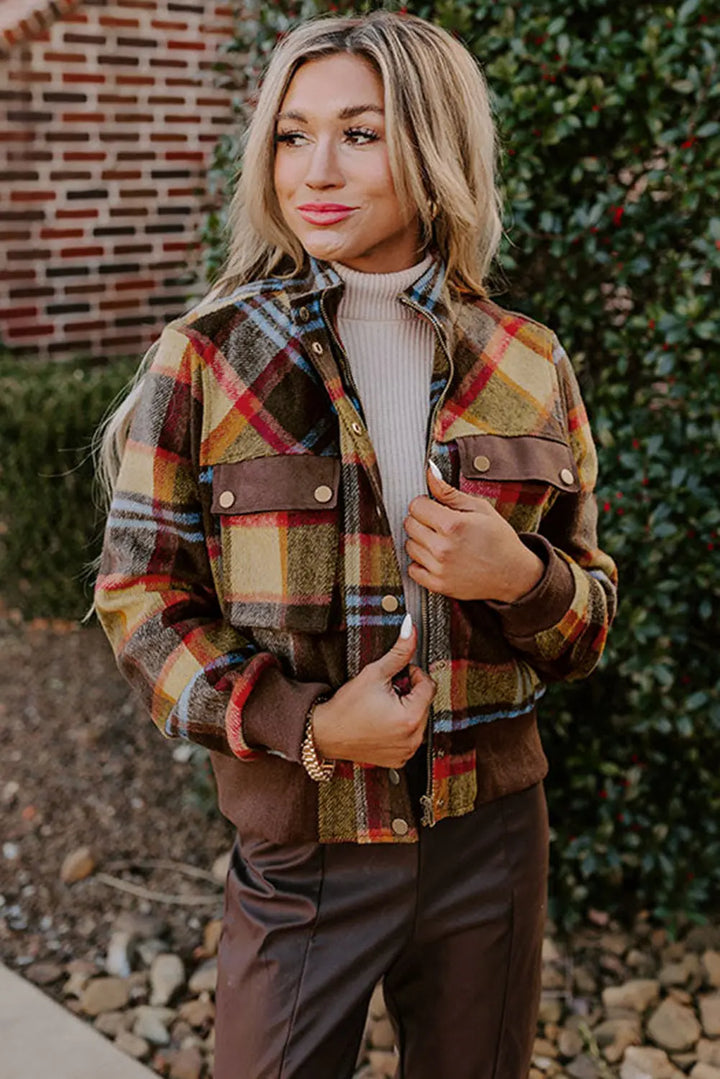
520	457
276	799
545	603
274	713
282	482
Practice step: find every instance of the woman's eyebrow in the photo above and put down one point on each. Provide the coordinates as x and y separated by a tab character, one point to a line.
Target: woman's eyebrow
348	113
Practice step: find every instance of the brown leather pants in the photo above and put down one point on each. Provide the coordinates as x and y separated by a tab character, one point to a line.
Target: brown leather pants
452	924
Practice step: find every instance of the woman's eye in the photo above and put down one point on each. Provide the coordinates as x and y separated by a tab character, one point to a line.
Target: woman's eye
361	135
289	138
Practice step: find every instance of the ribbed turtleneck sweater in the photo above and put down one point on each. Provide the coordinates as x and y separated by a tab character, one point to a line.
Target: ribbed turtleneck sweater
390	350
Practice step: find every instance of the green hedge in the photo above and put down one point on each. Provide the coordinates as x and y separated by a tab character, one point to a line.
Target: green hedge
611	169
49	526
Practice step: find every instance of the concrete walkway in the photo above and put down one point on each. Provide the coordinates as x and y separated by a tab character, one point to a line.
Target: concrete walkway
40	1039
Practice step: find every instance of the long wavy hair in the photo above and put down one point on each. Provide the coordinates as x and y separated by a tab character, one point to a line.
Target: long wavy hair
442	148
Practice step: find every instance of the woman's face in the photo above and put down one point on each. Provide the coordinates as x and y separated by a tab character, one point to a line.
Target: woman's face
332	172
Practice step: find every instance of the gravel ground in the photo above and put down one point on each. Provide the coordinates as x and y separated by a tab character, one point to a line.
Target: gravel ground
111	893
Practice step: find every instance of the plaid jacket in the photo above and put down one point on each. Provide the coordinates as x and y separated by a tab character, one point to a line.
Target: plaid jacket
248	564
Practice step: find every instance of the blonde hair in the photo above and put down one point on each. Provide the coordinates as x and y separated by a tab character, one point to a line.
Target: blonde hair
442	148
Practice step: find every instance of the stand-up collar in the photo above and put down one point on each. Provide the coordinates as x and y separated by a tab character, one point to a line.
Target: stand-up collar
321	277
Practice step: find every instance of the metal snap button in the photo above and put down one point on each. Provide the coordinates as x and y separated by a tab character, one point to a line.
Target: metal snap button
566	475
394	776
400	826
389	603
317	348
304	314
323	493
357	428
481	462
226	499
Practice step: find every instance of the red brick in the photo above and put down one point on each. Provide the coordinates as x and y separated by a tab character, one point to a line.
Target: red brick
87	212
60	234
32	196
36	330
89	324
14	236
65	57
113	20
84	117
135	283
184	155
78	252
23	75
82	76
18	275
84	290
17	135
198	46
166	24
121	174
83	155
135	80
18	312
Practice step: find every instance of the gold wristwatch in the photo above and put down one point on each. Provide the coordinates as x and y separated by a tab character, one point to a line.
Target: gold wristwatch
317	768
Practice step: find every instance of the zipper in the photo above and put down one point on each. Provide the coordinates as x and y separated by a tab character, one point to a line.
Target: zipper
426	799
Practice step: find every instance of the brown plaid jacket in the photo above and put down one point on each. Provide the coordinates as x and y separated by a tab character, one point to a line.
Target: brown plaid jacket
248	564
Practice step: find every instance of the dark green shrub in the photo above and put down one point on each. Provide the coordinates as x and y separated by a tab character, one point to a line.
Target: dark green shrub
608	117
49	527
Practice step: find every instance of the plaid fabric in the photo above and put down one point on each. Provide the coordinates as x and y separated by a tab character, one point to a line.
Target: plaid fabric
247	530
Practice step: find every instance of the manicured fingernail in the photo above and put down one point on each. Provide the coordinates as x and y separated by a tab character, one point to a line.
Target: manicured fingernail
406	627
435	470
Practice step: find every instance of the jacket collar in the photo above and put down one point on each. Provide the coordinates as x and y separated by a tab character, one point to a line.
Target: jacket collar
319	278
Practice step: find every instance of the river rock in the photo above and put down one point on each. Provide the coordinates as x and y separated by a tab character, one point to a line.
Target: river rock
637	994
221	866
104	995
77	865
583	1067
151	1023
708	1052
167	975
710	1013
186	1064
118	960
642	1062
211	936
711	966
204	978
198	1013
132	1045
674	1026
704	1071
615	1035
570	1043
550	1010
382	1035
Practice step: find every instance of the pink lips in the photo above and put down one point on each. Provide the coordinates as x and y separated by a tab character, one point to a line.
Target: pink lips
324	213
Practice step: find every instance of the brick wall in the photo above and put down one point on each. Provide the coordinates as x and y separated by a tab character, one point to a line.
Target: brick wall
108	116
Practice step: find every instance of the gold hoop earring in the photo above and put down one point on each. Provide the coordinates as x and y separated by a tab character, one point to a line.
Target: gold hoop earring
433	208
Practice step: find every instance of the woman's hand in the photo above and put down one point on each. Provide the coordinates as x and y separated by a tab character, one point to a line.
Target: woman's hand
366	720
462	547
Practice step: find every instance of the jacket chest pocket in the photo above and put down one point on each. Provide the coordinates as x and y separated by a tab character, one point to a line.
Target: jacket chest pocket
278	524
521	475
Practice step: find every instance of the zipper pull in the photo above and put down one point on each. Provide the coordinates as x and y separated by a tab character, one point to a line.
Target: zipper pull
428	819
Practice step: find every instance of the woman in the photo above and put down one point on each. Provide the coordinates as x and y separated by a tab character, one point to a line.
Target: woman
352	536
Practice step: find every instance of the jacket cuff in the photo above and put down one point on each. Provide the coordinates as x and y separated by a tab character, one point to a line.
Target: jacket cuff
547	601
273	718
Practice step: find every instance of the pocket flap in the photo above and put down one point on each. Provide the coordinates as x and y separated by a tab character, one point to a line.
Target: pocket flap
284	482
524	458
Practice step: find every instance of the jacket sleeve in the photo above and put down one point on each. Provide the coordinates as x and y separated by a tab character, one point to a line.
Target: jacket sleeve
200	677
560	626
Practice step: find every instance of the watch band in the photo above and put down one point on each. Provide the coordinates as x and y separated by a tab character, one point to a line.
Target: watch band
318	769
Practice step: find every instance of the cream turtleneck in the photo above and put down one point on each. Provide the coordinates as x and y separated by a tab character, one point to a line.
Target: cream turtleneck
390	349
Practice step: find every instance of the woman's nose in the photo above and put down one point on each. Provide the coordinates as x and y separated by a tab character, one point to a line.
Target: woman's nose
323	166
